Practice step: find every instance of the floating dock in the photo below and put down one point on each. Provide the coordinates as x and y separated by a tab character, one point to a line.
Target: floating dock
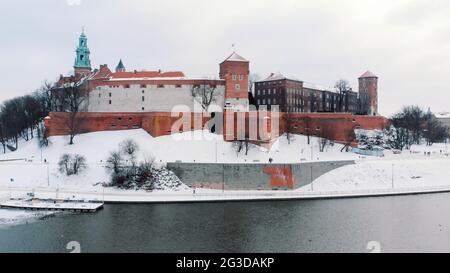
53	205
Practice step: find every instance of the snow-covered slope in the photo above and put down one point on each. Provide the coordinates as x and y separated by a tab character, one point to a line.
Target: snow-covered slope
410	168
197	146
385	174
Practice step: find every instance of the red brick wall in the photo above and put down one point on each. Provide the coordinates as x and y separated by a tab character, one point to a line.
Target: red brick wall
338	127
335	126
227	70
155	123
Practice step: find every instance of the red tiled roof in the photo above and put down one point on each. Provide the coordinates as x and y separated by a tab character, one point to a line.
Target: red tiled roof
147	74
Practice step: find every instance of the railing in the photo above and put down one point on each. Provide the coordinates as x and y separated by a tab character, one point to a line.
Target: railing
249	195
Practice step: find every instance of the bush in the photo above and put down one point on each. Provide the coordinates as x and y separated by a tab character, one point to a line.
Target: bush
115	161
72	164
129	148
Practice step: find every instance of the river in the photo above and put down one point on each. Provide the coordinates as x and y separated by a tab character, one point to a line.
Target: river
398	223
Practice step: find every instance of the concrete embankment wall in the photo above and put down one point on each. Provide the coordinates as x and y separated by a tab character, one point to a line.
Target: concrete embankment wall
252	176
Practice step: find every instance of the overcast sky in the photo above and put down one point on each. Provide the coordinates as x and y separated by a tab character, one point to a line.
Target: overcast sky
406	43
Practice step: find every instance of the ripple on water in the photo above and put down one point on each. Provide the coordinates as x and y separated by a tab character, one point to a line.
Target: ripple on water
10	217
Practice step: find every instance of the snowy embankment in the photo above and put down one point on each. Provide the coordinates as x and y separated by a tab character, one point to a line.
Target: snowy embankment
413	172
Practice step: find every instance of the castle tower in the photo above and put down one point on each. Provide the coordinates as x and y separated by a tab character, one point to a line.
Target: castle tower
368	84
82	64
235	71
120	67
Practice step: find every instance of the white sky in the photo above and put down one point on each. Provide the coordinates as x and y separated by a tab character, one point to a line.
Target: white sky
406	43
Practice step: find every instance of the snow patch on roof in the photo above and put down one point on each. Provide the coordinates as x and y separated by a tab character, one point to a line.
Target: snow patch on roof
236	58
368	74
442	115
314	86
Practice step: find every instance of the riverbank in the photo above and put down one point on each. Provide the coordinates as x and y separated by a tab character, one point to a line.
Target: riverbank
202	195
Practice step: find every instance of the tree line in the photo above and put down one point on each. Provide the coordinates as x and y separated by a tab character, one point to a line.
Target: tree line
21	117
413	125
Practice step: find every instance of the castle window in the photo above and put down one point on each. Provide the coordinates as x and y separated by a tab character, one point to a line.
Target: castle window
142	108
143	86
126	86
160	86
234	77
143	91
130	118
237	86
178	86
81	57
241	77
109	101
110	94
119	118
143	98
99	95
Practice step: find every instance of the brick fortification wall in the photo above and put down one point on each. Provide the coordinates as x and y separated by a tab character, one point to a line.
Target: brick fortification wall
155	123
335	126
252	176
338	127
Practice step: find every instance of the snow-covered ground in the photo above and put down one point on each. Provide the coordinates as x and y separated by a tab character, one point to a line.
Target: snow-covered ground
411	169
199	146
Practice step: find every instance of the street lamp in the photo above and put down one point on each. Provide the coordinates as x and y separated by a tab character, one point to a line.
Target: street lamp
392	175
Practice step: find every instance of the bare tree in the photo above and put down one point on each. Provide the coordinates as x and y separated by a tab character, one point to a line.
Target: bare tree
412	118
313	101
308	129
435	131
72	164
351	137
3	136
114	161
242	145
363	106
252	78
238	145
204	94
289	126
343	87
323	138
74	98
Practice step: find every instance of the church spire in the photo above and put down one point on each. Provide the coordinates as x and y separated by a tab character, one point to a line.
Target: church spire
120	67
82	64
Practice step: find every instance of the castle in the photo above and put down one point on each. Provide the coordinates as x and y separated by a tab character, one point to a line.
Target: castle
125	99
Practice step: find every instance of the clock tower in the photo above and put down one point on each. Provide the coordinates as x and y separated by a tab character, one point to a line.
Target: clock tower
82	64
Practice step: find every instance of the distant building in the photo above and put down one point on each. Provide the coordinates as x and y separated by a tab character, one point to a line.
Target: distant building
444	118
295	96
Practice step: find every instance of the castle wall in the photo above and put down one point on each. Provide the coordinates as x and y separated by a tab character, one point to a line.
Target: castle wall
155	123
236	125
148	98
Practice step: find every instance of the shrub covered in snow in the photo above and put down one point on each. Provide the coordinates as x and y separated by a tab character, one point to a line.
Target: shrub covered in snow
127	173
72	164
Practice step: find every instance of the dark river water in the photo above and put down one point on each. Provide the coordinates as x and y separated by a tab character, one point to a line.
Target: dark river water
400	224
